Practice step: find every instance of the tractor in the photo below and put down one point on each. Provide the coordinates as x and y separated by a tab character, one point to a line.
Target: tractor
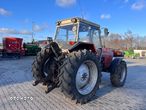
31	49
75	59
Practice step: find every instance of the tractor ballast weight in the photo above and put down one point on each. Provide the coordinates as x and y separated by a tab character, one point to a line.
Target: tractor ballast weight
75	60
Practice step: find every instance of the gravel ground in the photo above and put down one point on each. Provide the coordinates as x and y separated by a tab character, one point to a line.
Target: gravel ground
17	92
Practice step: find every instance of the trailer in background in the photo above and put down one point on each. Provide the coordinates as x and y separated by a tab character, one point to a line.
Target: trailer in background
12	47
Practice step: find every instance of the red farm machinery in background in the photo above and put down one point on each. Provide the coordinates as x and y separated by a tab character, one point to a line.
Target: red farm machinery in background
12	47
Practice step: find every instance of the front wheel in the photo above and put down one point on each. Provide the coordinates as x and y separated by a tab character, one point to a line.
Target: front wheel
81	76
119	74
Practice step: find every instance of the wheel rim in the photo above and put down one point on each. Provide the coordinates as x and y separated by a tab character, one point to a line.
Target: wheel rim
86	77
123	75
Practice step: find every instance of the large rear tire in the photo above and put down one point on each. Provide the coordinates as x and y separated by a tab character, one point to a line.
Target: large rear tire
45	65
81	76
41	64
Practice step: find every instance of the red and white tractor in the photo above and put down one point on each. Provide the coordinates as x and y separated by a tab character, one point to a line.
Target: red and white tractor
75	59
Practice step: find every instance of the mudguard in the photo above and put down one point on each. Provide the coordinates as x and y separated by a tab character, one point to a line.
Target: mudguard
81	46
115	62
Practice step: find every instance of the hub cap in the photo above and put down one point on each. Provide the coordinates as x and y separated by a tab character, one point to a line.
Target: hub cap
86	77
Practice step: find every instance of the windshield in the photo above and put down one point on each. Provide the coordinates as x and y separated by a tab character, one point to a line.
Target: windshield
89	34
66	34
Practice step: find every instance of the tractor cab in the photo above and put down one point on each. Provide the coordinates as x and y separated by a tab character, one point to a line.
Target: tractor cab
79	34
72	31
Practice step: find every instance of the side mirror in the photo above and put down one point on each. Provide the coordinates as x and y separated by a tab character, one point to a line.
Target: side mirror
106	32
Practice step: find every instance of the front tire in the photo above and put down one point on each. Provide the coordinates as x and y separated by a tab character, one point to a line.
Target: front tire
81	76
119	74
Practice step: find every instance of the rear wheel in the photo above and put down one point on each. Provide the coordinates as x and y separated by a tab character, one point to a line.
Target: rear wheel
81	76
45	66
42	64
119	74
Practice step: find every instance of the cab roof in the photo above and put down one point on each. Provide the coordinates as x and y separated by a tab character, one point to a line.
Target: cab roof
75	20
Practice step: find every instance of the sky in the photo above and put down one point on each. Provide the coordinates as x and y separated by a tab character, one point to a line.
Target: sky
19	17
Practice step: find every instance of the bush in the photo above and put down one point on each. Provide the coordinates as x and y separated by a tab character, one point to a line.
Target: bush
130	54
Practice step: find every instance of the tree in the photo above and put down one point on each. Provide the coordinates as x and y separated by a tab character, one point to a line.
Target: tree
129	38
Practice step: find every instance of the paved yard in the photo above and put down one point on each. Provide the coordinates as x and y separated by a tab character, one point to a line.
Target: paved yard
17	93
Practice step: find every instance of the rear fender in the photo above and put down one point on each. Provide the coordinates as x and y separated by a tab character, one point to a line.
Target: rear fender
115	62
82	46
